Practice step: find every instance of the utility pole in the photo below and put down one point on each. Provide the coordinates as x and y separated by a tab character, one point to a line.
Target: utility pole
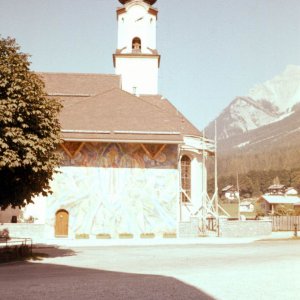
238	190
204	203
216	174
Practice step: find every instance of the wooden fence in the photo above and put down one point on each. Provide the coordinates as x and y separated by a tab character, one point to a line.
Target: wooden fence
285	223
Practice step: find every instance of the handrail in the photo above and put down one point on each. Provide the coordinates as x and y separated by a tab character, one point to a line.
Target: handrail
15	241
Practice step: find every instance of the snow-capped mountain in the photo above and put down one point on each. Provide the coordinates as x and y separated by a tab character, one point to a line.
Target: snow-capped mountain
283	91
261	131
274	146
266	103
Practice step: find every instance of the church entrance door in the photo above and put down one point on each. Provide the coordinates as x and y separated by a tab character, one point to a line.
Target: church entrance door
62	223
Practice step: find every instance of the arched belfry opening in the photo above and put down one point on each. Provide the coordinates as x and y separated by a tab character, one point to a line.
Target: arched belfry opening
136	45
185	165
136	48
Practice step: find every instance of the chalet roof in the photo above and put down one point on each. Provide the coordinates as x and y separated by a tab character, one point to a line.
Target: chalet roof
276	187
95	108
245	203
291	189
278	199
229	188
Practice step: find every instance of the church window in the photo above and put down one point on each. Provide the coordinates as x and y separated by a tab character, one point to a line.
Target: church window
185	178
136	45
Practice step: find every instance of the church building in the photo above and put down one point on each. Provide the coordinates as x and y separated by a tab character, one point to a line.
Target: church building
131	162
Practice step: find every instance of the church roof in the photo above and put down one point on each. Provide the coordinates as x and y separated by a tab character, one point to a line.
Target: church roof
79	83
96	109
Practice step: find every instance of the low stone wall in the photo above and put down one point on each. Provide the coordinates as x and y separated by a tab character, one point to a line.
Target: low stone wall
25	230
245	228
189	229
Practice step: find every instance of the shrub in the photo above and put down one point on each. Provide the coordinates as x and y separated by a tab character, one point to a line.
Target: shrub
169	235
147	235
103	236
82	236
4	233
125	235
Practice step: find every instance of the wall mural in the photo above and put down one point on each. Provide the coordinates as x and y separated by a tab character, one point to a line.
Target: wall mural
116	188
117	155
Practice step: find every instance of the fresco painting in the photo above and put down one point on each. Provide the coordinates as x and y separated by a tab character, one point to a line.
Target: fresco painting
118	155
116	188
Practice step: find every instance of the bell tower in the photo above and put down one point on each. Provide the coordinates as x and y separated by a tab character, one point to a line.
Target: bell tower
136	58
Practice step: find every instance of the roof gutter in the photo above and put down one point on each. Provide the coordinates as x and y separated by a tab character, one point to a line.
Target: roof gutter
121	132
123	141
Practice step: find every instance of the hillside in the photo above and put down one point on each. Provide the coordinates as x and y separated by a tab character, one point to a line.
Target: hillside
266	103
260	132
274	146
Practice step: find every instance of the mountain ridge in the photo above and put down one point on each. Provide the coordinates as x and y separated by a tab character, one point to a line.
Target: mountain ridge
266	103
259	133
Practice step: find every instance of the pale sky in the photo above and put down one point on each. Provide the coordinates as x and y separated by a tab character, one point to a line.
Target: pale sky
212	50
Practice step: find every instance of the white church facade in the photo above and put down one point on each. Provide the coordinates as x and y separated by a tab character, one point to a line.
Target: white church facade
131	162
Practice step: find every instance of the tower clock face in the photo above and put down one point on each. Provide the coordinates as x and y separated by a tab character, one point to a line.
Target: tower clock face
137	13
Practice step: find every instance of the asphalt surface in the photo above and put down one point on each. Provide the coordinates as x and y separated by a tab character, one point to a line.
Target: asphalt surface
259	270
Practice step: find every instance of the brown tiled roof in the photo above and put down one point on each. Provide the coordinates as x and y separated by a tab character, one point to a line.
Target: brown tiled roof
79	83
186	127
95	108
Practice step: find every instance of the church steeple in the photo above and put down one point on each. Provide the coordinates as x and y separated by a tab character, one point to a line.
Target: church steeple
136	58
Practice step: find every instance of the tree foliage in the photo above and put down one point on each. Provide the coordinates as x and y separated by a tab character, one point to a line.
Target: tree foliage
282	156
256	183
29	129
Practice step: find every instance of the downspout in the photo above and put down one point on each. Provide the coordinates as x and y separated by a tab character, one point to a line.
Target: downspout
179	201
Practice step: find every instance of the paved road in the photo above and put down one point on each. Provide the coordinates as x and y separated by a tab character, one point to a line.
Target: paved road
260	270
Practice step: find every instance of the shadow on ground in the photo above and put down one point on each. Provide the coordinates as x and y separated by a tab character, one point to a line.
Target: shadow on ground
40	251
28	280
21	252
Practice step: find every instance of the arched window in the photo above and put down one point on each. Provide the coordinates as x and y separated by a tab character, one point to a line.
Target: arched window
185	178
136	44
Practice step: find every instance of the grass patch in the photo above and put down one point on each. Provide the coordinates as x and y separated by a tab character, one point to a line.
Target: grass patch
103	236
169	235
82	236
147	235
125	235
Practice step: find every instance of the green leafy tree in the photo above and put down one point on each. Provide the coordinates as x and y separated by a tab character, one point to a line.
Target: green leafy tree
29	130
245	185
256	192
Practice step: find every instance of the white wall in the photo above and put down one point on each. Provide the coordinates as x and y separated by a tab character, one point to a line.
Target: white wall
36	210
199	180
115	200
139	72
